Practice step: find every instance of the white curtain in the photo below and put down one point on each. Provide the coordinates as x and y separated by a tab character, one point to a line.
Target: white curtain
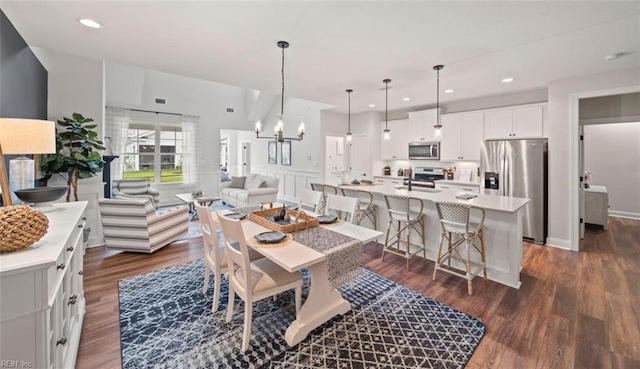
190	148
117	124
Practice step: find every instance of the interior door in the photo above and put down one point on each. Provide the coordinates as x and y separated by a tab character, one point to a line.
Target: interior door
581	179
359	157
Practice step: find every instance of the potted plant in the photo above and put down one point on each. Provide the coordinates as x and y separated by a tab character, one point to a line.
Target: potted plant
76	156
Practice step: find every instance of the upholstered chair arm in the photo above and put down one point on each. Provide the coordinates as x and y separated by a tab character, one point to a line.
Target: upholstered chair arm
225	184
126	196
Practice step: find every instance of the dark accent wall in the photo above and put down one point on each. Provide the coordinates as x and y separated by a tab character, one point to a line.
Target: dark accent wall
23	80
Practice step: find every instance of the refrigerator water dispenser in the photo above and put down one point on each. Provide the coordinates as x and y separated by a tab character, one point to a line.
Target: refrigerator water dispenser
491	180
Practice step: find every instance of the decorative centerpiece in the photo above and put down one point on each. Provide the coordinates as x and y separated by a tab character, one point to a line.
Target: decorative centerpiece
274	220
41	197
21	227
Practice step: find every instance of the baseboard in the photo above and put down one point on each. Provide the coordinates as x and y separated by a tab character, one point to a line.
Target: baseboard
559	243
624	214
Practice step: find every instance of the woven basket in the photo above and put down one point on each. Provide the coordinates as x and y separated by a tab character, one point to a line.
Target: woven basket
20	227
302	220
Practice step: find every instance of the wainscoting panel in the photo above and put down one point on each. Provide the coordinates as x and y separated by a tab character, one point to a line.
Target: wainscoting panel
292	181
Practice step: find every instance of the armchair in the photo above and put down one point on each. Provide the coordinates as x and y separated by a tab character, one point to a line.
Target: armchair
135	188
134	225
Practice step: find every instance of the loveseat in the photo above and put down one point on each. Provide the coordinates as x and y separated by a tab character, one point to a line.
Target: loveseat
250	190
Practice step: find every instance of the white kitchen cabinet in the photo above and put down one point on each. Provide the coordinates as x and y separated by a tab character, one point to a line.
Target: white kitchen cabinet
462	134
42	301
422	123
397	148
515	122
470	187
596	206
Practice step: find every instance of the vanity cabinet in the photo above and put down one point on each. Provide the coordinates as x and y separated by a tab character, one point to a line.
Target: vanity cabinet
596	206
42	301
514	122
462	135
422	123
397	148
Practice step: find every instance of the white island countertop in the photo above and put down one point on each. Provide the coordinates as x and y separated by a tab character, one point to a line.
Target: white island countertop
485	201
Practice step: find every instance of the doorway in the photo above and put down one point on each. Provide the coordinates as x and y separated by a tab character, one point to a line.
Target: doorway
577	156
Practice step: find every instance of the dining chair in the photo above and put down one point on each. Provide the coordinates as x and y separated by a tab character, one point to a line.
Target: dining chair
366	207
455	220
343	206
253	280
215	260
309	200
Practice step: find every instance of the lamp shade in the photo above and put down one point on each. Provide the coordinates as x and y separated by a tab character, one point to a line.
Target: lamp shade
27	136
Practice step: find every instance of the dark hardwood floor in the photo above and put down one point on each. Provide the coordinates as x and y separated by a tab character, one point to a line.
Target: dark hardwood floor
573	310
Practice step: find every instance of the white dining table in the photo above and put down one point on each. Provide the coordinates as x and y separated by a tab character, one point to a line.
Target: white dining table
324	300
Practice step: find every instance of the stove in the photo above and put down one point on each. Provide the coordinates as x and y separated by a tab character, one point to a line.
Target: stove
425	177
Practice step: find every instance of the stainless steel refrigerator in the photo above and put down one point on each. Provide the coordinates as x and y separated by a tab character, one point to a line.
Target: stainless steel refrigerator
518	168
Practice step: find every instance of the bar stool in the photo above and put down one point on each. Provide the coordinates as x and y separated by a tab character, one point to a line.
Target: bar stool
403	219
319	187
366	207
454	220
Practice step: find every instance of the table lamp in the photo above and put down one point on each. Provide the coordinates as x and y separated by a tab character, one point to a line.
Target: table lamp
23	136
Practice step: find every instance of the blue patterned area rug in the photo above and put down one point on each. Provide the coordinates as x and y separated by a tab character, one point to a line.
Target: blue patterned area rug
166	322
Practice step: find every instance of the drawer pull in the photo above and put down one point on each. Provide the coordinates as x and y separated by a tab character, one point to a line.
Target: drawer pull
80	225
70	248
81	272
72	300
84	218
61	266
61	341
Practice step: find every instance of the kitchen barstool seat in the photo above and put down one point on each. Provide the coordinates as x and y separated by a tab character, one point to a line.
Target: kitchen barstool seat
403	219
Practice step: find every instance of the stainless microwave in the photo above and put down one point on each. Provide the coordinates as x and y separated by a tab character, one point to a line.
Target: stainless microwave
429	150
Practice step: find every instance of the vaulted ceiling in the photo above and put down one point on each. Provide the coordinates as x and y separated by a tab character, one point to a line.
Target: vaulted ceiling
339	45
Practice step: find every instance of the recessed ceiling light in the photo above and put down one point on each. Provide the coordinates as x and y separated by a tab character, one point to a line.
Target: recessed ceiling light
507	80
449	91
372	105
406	98
89	23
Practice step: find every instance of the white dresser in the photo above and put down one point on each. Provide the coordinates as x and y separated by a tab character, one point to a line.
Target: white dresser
42	302
596	206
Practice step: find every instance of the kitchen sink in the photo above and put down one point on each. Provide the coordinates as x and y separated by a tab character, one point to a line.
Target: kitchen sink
419	189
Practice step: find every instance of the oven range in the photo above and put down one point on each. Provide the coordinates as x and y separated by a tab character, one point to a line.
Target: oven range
425	177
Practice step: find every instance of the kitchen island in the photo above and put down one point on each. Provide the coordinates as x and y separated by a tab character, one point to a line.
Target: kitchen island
502	226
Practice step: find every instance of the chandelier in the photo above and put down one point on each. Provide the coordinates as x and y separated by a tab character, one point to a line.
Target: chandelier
279	128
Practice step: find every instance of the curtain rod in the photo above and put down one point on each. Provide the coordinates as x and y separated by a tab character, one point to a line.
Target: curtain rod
157	112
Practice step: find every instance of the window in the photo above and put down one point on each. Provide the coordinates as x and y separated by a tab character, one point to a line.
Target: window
154	151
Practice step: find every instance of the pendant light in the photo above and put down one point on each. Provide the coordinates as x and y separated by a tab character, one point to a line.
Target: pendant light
279	128
438	126
349	136
386	133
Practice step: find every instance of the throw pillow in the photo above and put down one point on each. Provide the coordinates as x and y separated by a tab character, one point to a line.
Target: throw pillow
263	184
237	182
224	177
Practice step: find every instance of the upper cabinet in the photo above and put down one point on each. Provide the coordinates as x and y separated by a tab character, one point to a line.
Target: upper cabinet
397	148
462	134
516	122
422	123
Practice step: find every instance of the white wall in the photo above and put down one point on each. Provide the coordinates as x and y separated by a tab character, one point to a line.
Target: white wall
76	85
562	178
184	95
612	155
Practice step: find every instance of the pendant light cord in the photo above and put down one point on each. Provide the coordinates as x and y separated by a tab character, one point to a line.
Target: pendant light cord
282	99
437	94
349	120
386	105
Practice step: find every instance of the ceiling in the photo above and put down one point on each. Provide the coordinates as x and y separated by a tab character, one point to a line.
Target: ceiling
339	45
